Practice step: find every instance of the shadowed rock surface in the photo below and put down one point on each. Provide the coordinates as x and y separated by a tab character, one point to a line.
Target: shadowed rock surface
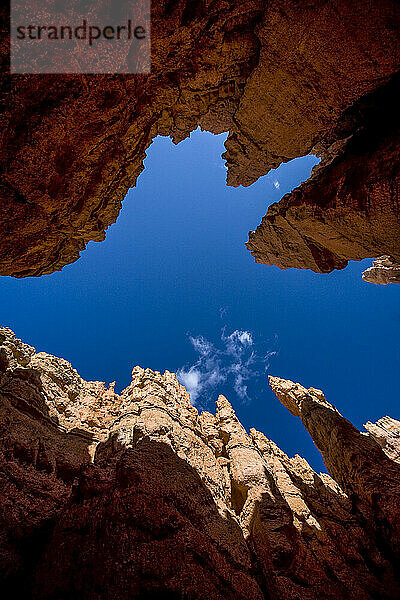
137	495
284	78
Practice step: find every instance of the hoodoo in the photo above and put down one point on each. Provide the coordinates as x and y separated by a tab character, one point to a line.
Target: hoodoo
139	495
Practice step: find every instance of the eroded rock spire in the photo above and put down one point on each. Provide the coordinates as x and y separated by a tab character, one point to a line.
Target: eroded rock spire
138	494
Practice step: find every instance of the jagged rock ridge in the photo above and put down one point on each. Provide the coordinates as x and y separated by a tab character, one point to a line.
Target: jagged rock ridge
384	270
350	207
284	78
137	495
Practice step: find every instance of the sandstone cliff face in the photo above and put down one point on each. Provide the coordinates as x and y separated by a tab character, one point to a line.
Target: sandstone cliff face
138	495
355	460
384	270
386	432
284	78
350	207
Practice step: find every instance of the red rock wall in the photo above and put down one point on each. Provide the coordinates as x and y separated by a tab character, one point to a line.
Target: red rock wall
283	78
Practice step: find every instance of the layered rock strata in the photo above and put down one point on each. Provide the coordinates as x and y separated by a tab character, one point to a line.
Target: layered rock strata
139	495
384	270
350	207
284	78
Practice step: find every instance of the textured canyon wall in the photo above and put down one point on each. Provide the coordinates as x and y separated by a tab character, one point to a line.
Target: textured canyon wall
137	495
383	270
284	78
350	207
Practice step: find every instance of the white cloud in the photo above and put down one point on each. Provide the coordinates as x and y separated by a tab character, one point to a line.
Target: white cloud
235	363
201	345
246	338
237	341
191	380
276	184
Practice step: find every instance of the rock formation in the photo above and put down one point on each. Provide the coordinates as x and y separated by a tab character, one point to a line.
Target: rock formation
284	78
137	495
384	270
386	432
350	207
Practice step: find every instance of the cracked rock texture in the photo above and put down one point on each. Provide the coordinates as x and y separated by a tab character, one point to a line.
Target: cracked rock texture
350	207
137	495
384	270
284	78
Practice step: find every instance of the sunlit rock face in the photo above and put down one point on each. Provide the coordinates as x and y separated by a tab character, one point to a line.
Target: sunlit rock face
139	495
350	207
384	270
386	431
365	466
284	78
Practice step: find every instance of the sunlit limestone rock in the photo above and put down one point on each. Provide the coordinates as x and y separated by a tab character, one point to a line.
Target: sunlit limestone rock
355	460
386	431
384	270
137	495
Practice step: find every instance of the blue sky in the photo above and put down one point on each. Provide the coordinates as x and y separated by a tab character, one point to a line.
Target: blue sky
174	287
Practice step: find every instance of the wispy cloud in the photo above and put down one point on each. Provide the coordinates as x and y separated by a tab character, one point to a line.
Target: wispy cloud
223	311
235	362
276	184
